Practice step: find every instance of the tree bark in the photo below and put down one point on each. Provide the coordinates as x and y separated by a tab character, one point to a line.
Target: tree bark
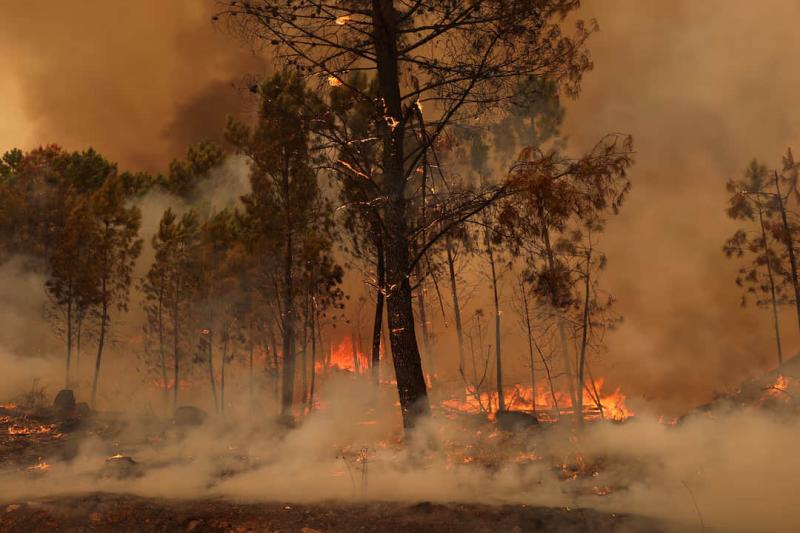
529	329
250	367
210	359
176	354
411	387
78	329
101	340
162	354
584	337
275	363
501	401
456	304
287	390
789	247
69	336
423	322
773	297
223	364
314	325
377	326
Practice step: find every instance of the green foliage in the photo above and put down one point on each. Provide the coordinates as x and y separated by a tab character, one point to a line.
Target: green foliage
185	176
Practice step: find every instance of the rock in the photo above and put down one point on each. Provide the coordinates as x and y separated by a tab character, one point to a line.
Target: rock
64	404
516	420
188	415
191	525
121	467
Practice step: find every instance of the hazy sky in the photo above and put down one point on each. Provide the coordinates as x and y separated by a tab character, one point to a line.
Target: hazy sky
702	86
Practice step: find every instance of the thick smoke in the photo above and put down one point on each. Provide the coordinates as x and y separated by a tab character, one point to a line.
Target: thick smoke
702	87
727	470
702	95
138	82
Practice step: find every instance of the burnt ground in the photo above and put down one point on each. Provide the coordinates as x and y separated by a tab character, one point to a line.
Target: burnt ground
29	440
105	512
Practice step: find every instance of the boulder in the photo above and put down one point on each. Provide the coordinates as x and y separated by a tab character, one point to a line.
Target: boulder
189	415
516	420
64	404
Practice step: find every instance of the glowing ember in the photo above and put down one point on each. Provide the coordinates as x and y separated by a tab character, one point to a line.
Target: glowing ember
33	430
41	466
780	386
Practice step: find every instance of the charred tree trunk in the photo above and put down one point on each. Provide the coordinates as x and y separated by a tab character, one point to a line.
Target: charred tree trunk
529	330
584	336
411	387
773	296
78	331
176	344
210	361
456	304
423	322
304	358
101	339
250	383
787	237
161	352
314	325
69	337
377	326
287	392
275	370
501	401
223	364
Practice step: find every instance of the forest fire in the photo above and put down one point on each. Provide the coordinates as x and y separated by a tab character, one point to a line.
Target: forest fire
548	405
345	356
33	430
398	266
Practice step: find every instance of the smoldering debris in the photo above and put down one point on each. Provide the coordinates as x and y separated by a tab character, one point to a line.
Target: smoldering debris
662	470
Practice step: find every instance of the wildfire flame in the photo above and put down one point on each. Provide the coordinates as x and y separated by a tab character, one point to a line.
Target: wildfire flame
346	356
781	385
40	466
611	406
32	430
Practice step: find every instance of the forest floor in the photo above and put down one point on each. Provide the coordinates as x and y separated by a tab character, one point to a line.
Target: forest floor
107	512
30	442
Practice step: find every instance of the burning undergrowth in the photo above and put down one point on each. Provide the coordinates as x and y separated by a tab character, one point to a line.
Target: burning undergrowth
352	451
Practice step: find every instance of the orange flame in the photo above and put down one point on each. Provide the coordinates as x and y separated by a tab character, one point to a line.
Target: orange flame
346	356
32	430
612	406
40	466
778	390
